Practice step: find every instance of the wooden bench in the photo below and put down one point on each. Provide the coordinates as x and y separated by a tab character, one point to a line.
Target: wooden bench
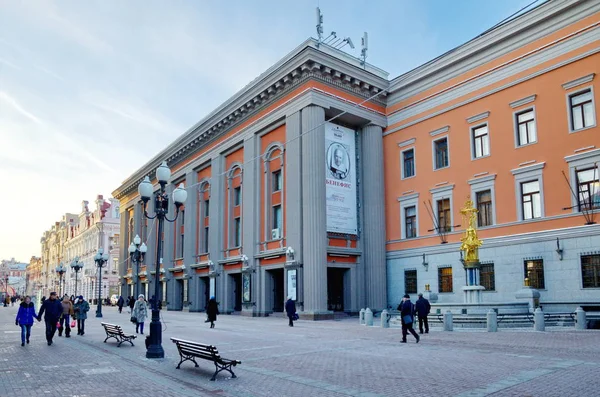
192	350
115	331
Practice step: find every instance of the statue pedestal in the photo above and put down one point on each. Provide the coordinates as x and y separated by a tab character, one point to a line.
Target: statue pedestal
472	293
532	296
432	297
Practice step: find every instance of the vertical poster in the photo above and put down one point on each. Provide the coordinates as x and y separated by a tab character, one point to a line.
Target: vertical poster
212	287
340	179
291	283
246	287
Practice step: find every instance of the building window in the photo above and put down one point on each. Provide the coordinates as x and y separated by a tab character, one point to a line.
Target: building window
590	270
531	200
445	279
410	281
486	276
277	218
237	232
408	163
582	110
534	271
206	239
441	156
237	196
484	208
588	187
410	221
481	141
206	208
526	130
443	212
277	181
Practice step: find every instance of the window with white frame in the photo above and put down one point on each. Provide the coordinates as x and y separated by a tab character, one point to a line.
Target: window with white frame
442	207
581	109
483	191
588	189
237	232
408	163
441	155
277	178
525	127
409	215
277	217
480	141
529	191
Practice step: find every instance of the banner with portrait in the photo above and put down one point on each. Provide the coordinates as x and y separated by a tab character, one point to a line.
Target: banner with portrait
340	179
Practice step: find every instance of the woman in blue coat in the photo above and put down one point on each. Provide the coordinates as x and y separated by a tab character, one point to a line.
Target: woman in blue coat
25	317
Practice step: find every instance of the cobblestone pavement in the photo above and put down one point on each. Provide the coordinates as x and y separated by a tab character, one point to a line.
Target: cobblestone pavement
327	358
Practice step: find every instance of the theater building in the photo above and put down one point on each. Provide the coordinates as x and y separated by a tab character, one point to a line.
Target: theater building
326	181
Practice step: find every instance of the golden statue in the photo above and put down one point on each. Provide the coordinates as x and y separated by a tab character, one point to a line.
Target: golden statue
470	242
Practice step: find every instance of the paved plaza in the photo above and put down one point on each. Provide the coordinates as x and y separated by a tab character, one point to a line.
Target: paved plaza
326	358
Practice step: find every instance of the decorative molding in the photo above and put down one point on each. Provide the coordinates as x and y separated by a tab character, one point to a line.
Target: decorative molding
582	156
582	80
523	101
441	183
409	197
480	174
441	189
477	117
439	131
407	192
482	179
584	148
408	142
529	168
526	163
277	252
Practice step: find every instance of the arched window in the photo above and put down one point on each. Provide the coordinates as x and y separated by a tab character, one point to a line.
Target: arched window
273	218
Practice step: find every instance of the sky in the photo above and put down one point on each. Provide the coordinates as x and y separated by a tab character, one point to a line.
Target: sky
92	90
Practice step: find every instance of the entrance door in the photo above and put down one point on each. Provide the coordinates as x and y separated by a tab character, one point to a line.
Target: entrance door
278	292
237	291
179	302
335	289
204	292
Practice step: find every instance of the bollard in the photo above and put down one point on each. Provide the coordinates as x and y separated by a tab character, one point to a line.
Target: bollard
368	317
580	319
448	321
361	316
385	321
538	320
492	321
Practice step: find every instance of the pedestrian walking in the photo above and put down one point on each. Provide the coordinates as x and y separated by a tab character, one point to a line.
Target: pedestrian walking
81	308
407	313
52	310
423	308
212	310
65	318
290	309
25	317
140	312
131	303
120	303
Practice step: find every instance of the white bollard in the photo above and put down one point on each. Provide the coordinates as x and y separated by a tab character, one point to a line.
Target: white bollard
368	317
580	319
538	320
448	321
361	316
384	319
492	321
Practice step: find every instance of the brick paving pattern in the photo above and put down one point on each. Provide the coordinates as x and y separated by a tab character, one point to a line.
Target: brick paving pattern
328	359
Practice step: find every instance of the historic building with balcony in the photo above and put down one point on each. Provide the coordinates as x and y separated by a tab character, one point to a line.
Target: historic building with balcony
326	181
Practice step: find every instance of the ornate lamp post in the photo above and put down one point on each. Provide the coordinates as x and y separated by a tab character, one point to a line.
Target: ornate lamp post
60	269
161	208
137	253
76	266
6	287
100	258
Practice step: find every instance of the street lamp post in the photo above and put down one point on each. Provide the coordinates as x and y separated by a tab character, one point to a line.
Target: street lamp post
137	253
100	258
6	287
161	208
76	266
60	269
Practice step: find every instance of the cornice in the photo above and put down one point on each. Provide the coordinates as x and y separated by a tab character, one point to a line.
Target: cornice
304	64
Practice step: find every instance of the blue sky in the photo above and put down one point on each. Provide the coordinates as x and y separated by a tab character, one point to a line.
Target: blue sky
91	90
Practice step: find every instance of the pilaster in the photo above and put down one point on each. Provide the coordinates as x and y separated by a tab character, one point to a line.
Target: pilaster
250	210
217	199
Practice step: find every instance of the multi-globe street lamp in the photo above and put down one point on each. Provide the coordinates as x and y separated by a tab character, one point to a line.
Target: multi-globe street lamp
76	265
101	259
137	253
161	209
60	269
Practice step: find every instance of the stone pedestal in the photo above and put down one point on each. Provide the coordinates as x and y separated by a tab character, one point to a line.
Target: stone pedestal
368	317
580	319
538	320
532	296
361	317
448	326
384	319
492	321
472	293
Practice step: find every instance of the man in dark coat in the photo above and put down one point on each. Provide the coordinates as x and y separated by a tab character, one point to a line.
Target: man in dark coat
131	303
423	307
120	303
52	310
290	309
407	314
212	310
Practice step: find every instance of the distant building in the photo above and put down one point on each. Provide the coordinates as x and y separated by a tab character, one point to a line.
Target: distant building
16	272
